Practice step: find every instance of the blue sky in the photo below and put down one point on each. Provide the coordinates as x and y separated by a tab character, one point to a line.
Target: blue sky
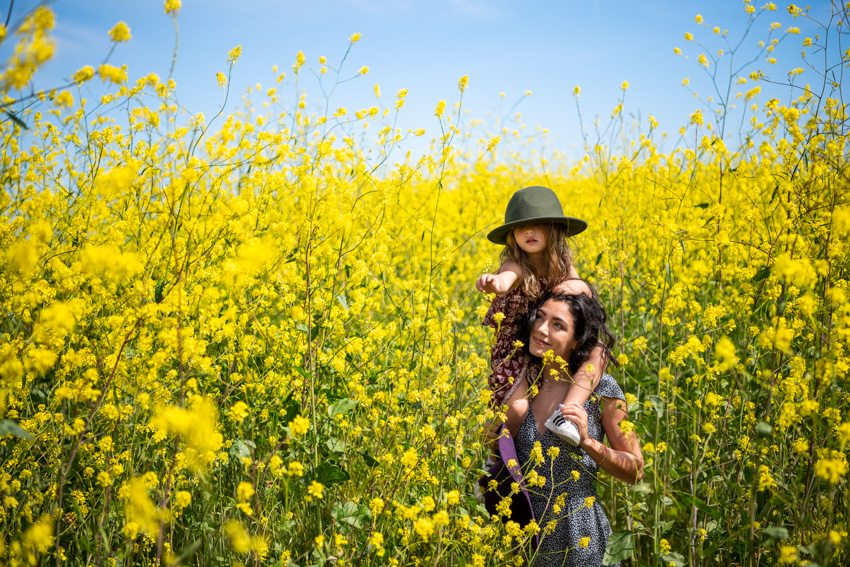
546	47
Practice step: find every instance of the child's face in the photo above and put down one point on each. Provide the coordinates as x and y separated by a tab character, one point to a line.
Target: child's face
533	239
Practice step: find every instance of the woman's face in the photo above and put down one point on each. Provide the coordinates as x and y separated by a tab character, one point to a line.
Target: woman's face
553	330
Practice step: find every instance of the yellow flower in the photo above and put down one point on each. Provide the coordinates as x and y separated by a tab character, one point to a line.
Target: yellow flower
182	498
461	84
831	470
688	36
441	518
299	426
239	411
112	74
83	74
172	7
766	480
424	527
120	33
295	469
138	507
428	504
316	489
376	505
843	433
409	458
355	37
300	59
38	538
234	54
584	542
244	491
696	118
788	554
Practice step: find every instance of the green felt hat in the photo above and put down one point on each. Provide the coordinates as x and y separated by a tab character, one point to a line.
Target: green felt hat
534	205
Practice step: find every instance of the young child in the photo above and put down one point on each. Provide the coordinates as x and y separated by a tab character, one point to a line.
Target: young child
536	258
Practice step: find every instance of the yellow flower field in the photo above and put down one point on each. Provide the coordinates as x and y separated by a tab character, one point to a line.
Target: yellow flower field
254	339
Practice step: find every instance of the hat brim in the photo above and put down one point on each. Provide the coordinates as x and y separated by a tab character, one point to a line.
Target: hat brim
500	235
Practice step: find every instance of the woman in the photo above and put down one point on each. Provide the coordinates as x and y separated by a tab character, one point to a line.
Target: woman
574	526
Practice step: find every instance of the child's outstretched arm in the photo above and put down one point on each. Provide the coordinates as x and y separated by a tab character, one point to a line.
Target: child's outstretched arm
586	378
500	283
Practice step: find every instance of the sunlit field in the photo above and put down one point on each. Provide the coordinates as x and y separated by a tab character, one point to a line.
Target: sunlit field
254	338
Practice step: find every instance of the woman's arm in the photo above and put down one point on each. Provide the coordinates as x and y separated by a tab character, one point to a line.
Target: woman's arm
624	460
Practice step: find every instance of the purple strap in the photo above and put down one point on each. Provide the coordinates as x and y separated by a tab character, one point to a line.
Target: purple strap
508	453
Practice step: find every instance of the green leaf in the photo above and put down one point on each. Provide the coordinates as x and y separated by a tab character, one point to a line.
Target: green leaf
187	552
776	532
658	404
342	406
663	527
240	449
699	504
342	301
370	460
8	427
336	445
330	474
303	328
641	488
350	514
673	558
16	120
620	547
157	294
761	274
764	429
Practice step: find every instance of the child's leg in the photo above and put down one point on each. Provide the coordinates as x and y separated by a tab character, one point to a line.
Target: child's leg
583	383
586	379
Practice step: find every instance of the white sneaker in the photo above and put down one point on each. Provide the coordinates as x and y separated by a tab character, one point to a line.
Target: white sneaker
563	428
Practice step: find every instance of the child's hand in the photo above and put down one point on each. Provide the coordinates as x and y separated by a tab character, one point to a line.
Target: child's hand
573	287
489	283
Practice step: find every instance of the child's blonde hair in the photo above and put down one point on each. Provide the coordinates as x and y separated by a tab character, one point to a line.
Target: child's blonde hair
558	266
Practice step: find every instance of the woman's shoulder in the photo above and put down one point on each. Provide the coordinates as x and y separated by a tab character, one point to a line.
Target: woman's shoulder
608	388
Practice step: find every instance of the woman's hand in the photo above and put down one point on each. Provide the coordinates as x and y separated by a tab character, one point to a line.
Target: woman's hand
577	415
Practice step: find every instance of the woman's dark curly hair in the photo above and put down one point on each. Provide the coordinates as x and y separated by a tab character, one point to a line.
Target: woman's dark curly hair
589	320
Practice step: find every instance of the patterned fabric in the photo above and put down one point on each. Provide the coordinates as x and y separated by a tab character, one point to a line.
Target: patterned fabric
575	521
504	362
